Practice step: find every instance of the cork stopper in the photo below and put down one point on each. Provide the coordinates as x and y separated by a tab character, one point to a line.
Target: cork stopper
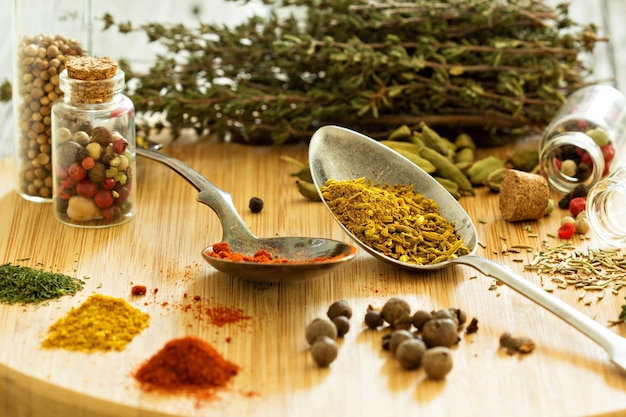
523	196
87	68
92	80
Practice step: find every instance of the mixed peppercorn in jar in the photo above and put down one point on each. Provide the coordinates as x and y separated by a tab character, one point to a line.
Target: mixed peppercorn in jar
93	140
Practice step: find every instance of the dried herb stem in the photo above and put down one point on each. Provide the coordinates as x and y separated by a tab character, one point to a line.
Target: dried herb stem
590	269
501	67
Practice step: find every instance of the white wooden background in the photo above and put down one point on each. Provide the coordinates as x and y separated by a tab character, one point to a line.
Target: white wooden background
609	60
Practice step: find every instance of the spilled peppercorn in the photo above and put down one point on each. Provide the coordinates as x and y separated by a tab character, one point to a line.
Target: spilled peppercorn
321	333
255	205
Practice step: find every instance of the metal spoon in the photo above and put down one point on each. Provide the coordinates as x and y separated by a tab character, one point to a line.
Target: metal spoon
300	251
342	154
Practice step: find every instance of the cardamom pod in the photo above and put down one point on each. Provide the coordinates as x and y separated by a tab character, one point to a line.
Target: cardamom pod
451	186
524	159
464	166
436	142
401	133
446	169
406	146
494	179
481	169
308	190
411	152
464	155
463	140
426	165
304	174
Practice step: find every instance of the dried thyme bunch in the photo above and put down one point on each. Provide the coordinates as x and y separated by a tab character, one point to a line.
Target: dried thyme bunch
504	67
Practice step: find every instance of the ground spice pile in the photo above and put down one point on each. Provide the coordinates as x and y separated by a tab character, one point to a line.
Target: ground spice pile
187	364
101	323
25	285
394	220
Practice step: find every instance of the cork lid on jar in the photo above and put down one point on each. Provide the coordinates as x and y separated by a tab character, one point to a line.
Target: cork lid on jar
91	80
87	68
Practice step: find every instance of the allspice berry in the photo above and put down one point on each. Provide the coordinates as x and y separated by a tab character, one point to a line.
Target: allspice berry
410	353
437	362
523	196
324	351
396	310
397	337
419	318
440	332
320	327
339	308
343	325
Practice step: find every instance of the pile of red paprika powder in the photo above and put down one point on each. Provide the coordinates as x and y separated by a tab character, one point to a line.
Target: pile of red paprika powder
186	365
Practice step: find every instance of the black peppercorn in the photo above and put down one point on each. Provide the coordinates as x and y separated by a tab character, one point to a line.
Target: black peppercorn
580	190
255	205
564	202
373	319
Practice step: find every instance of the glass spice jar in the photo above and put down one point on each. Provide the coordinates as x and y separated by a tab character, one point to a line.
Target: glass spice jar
581	141
45	34
606	208
93	145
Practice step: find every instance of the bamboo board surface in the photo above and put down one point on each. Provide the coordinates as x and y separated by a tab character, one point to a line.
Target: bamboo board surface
567	374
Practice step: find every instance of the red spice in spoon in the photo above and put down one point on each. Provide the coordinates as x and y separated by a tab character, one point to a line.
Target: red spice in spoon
222	250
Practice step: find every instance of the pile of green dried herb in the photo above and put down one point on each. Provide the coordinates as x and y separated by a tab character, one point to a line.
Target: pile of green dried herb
26	285
502	67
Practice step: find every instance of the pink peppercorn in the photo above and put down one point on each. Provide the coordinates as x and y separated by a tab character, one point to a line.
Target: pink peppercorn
76	171
88	162
120	145
576	205
567	230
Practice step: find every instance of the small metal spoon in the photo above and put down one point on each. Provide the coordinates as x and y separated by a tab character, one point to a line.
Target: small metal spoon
300	251
339	153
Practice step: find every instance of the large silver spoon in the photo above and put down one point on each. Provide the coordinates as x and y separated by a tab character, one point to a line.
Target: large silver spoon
339	153
300	251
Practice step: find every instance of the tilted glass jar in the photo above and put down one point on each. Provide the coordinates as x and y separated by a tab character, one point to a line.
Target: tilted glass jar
579	144
45	34
606	208
93	146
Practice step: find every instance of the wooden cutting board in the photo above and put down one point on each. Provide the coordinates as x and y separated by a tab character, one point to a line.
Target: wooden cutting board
567	374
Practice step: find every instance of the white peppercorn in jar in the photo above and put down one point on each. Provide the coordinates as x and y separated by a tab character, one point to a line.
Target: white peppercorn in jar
93	145
45	34
579	145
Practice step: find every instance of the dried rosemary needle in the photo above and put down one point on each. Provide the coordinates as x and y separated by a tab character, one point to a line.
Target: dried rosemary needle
394	221
26	285
589	269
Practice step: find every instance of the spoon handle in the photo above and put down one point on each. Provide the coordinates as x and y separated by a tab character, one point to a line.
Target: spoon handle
611	342
234	228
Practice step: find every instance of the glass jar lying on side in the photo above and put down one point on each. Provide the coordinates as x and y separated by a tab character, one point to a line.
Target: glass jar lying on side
606	208
583	138
93	143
